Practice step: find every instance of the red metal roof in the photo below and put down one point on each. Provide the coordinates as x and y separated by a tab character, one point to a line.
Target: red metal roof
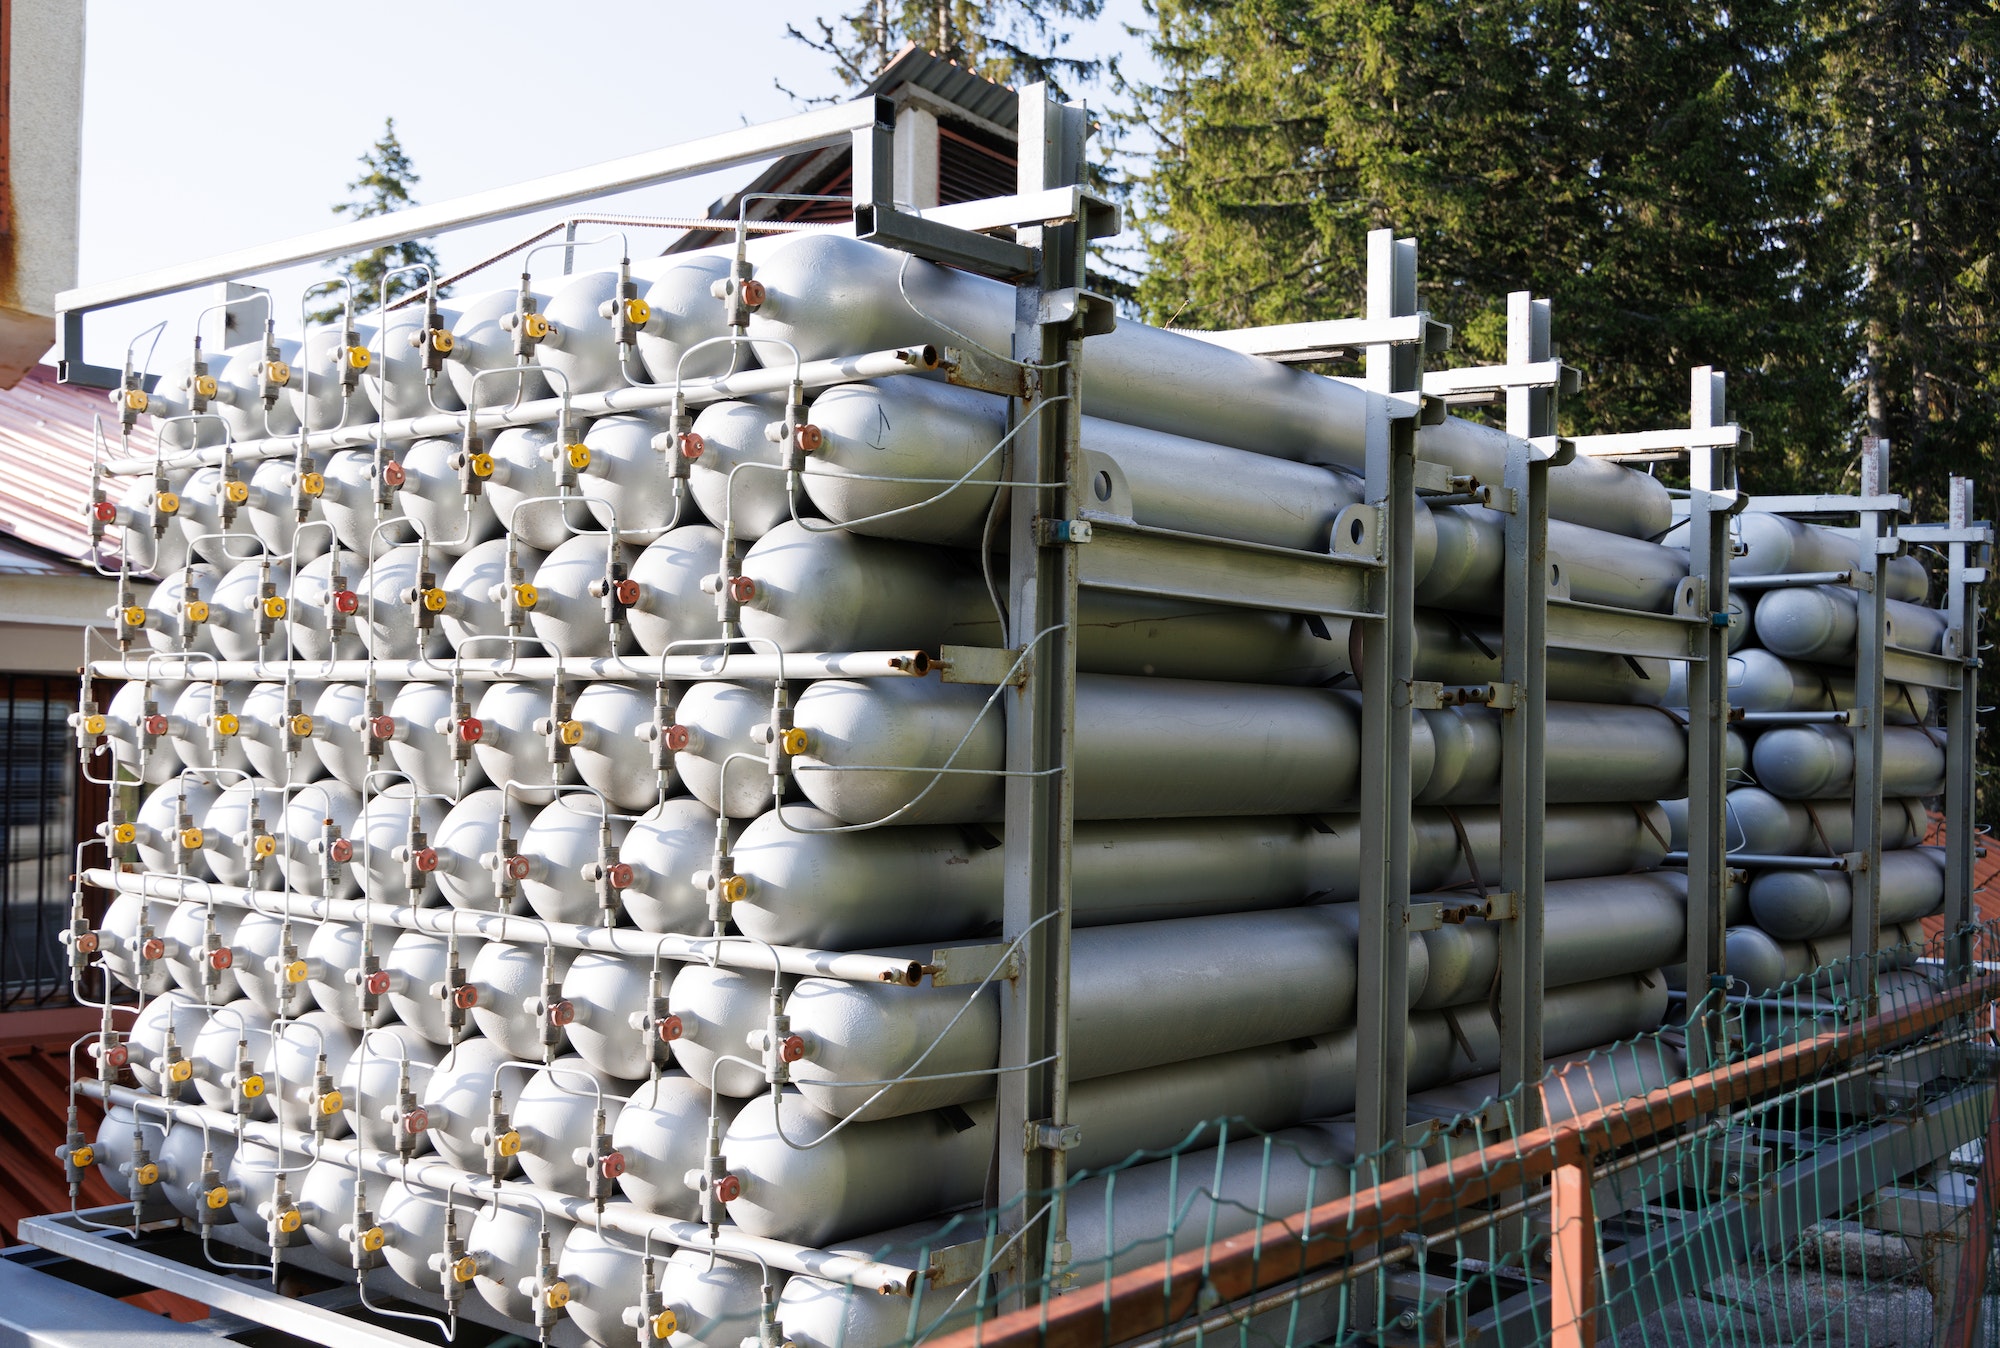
46	442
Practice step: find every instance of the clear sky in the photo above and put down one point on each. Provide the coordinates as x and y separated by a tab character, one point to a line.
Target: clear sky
215	125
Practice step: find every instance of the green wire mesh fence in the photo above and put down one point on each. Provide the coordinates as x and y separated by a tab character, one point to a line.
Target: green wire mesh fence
1823	1181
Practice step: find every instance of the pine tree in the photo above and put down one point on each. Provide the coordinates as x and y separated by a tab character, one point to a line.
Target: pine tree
1007	41
383	187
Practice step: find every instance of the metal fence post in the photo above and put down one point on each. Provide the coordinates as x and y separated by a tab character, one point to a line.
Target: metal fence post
1041	714
1572	1259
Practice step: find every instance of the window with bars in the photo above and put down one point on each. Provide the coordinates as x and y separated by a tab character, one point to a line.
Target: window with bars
42	818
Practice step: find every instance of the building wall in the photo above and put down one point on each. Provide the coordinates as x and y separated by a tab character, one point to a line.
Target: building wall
44	161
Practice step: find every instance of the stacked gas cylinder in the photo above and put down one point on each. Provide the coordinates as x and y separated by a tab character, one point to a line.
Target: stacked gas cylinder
1793	662
379	756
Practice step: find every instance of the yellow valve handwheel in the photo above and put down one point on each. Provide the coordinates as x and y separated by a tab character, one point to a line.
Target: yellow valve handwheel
197	610
313	484
435	600
579	457
535	325
296	971
191	839
301	724
124	834
289	1220
482	465
93	725
638	312
572	732
509	1143
253	1087
136	399
441	341
735	889
795	741
180	1072
557	1296
665	1325
373	1239
169	503
263	845
134	616
217	1198
146	1174
204	386
329	1104
274	607
357	357
83	1156
237	492
278	372
526	595
466	1269
227	723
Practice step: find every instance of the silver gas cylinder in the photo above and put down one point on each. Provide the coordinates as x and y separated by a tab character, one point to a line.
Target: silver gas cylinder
258	1167
232	1061
221	537
427	742
509	1246
738	478
663	1133
475	614
520	1007
468	848
156	556
420	986
321	398
387	1061
387	625
615	1027
335	956
715	721
127	1141
930	433
672	605
624	481
666	848
206	729
458	1100
167	829
315	839
243	376
1816	762
301	1097
570	585
327	1204
526	479
615	755
350	502
556	1116
170	404
143	756
812	588
245	624
718	1009
483	338
1774	544
395	380
570	840
514	741
1806	905
686	313
272	978
239	835
580	345
341	733
201	973
1818	623
198	1159
163	1033
437	506
273	510
391	846
715	1301
323	615
272	739
413	1215
182	599
132	944
1762	681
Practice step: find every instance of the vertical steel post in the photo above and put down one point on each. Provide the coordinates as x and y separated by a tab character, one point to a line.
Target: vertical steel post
1381	1066
1961	731
1524	727
1034	1025
874	158
1877	544
1712	500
